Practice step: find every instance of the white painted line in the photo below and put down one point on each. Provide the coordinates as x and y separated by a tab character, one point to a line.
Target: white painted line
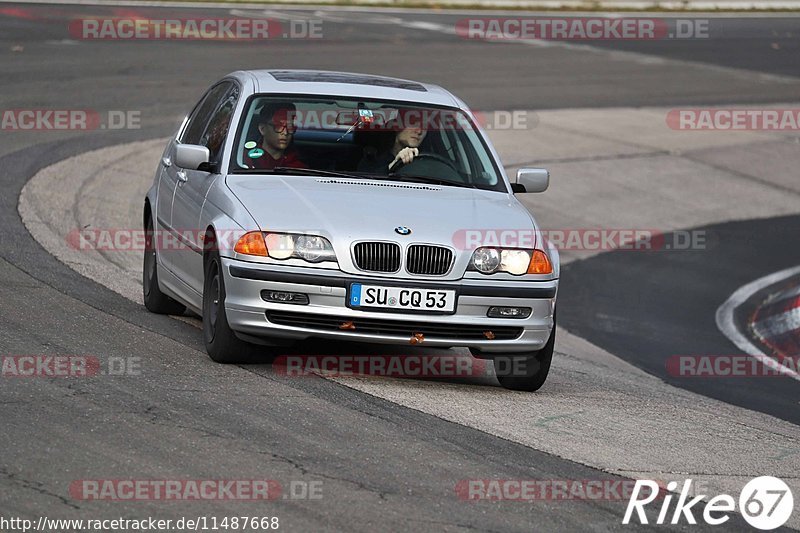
430	26
777	325
266	13
727	325
785	295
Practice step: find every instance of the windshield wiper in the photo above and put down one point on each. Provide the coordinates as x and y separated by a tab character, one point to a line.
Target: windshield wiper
429	179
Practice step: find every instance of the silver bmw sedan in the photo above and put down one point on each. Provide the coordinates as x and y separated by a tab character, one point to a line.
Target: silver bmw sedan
295	204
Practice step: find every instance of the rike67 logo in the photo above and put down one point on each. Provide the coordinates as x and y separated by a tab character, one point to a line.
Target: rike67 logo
765	503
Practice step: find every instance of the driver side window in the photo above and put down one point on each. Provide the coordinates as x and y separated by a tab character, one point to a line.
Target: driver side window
214	136
198	120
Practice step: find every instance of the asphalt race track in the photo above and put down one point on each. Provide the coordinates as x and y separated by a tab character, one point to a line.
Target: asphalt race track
683	321
392	454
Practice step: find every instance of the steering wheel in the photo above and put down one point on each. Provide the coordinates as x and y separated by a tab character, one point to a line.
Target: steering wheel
432	165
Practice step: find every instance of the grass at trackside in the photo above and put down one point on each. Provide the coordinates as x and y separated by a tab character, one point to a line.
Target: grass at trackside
444	6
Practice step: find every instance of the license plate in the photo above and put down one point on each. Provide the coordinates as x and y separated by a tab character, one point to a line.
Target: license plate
402	298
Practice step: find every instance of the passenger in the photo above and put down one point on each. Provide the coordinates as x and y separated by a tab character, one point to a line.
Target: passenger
277	128
404	149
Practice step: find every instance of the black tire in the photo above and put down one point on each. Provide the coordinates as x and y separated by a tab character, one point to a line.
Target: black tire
526	371
154	300
222	344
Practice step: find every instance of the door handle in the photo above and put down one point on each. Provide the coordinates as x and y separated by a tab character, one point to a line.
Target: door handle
167	162
182	177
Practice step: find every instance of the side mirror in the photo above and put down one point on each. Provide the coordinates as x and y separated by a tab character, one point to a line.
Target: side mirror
191	156
532	180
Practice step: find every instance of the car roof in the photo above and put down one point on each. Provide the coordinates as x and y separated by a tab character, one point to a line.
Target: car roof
346	84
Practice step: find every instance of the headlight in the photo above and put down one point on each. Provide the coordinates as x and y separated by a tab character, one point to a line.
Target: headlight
486	260
516	262
311	248
279	245
314	249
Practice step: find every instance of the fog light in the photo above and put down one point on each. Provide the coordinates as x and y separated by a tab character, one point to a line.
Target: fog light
509	312
283	297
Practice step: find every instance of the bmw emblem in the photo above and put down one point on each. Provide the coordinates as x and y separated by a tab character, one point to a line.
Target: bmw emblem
402	230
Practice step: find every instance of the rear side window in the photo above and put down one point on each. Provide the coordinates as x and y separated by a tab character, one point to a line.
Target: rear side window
201	115
214	136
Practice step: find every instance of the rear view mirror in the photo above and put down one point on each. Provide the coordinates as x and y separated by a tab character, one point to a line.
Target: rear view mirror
362	117
191	156
531	180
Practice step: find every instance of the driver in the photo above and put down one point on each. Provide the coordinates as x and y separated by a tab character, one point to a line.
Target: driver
404	148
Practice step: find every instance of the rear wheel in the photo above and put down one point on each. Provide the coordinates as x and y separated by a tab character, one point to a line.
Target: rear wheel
154	300
222	344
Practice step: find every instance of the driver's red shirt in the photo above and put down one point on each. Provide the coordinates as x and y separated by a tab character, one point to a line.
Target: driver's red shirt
266	161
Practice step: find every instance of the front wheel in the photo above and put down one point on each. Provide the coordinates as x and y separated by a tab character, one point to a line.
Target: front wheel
526	371
222	344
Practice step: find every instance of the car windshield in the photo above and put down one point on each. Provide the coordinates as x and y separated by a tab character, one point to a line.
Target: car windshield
361	139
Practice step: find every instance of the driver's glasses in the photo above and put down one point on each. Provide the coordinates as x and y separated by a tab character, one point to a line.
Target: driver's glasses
283	127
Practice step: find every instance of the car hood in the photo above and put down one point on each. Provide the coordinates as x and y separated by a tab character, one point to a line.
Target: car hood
348	209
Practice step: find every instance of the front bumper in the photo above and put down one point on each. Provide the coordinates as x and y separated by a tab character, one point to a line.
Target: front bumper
469	326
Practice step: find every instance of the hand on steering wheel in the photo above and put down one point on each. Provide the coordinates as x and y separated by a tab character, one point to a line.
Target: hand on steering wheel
433	157
427	165
404	157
